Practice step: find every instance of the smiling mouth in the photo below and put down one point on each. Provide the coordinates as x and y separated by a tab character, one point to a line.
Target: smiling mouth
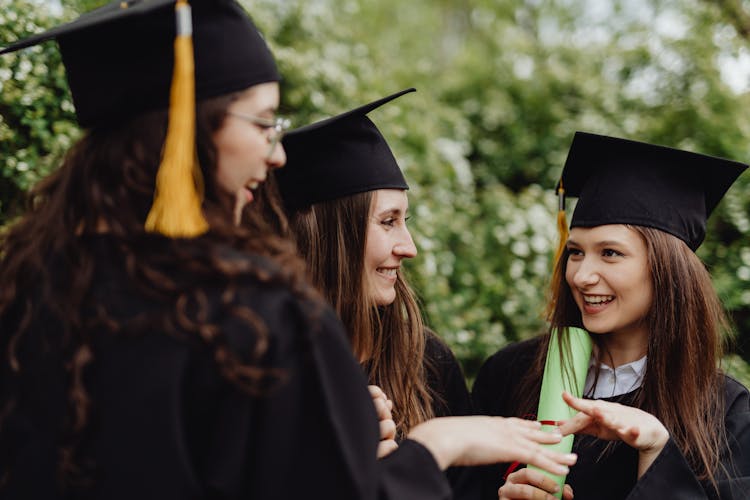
597	300
390	272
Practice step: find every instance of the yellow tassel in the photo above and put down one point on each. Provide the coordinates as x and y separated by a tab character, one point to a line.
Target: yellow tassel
176	211
563	233
562	223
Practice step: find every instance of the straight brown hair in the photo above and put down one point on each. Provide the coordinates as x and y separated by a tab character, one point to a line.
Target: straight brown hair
683	383
389	340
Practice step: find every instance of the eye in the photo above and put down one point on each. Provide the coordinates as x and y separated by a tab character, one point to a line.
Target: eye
390	222
266	122
609	252
574	252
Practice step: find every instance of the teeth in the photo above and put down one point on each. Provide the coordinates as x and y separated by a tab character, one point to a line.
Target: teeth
252	185
598	299
387	271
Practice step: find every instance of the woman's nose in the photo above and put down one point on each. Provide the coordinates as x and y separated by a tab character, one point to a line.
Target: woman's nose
405	247
277	158
586	274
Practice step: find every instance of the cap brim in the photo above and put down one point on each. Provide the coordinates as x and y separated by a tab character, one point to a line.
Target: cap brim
112	12
362	110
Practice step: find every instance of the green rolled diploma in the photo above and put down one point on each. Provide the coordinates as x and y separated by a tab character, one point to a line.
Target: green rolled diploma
554	382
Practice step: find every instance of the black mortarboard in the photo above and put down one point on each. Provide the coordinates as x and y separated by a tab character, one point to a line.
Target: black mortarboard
119	58
133	56
618	181
340	156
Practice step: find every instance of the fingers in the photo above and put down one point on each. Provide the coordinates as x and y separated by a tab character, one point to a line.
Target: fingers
597	418
578	404
387	429
532	484
381	409
520	422
551	461
600	410
527	442
386	447
479	440
613	421
534	478
567	492
378	395
533	431
576	424
545	437
376	392
522	491
633	433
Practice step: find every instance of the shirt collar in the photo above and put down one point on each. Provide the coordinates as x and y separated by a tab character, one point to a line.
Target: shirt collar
614	382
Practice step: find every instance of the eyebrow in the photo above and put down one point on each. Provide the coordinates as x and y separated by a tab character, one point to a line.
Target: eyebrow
270	110
391	211
604	243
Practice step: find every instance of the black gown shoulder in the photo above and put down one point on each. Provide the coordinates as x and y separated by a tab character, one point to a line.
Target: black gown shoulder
670	476
609	470
446	379
450	398
499	376
493	393
164	422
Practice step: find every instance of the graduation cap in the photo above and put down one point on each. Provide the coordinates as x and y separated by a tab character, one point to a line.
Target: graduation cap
340	156
134	56
618	181
119	58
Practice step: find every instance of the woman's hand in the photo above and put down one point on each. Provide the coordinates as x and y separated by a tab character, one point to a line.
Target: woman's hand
531	484
613	421
478	440
383	407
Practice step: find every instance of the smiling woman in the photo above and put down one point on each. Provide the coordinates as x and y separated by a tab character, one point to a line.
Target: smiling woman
387	243
150	347
609	278
247	143
347	204
665	423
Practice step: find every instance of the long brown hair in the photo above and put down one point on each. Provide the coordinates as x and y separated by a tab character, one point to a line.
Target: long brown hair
389	340
47	266
683	385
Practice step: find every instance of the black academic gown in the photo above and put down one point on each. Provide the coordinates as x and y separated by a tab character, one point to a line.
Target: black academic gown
165	424
447	382
611	473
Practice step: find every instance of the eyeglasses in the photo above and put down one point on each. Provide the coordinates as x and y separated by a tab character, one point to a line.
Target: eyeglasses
274	127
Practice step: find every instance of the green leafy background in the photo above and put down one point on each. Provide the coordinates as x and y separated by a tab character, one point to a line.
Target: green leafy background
502	86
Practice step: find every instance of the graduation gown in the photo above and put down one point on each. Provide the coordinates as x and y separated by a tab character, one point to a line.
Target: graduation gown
604	472
165	424
447	382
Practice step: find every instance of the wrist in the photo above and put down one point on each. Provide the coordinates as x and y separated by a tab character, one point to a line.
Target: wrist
647	455
438	443
657	442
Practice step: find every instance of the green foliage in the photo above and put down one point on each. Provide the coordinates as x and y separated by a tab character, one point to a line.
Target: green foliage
502	87
37	121
503	84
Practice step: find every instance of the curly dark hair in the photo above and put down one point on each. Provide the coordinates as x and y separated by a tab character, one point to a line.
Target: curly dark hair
105	184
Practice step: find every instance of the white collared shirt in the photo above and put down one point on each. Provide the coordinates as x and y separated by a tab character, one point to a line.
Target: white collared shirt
621	380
